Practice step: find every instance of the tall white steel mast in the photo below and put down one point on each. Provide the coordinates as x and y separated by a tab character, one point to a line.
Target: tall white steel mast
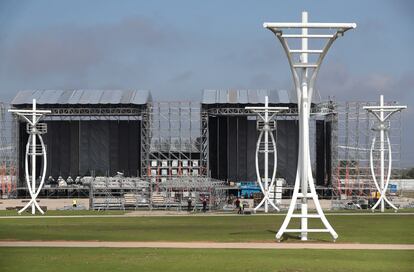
34	129
265	185
378	112
304	77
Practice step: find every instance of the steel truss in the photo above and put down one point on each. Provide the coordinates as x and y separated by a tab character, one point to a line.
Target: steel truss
8	153
174	142
96	111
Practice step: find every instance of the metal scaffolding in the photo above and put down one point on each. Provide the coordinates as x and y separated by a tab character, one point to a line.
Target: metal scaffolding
175	151
172	141
351	149
8	153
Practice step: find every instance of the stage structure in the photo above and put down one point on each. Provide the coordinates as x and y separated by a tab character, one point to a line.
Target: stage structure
266	127
8	153
229	135
382	127
351	141
174	162
35	130
90	132
304	76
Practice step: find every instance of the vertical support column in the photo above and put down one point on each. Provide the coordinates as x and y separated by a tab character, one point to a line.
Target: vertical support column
266	155
382	149
33	150
304	131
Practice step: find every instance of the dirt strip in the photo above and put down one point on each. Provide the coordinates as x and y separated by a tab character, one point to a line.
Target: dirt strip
205	245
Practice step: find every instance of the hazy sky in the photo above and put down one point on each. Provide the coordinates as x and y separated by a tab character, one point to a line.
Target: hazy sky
177	48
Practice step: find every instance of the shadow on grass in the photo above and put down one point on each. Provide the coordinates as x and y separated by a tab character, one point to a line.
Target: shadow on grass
296	238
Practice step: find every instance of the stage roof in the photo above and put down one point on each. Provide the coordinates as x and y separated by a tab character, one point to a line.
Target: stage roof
245	97
83	97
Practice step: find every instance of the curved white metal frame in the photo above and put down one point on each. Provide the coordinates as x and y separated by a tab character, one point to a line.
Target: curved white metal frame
383	186
263	113
266	192
31	150
304	77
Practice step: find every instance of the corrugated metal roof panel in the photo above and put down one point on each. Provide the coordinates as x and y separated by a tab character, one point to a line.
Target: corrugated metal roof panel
111	97
49	96
21	97
140	97
64	97
261	95
273	97
252	97
90	97
222	96
244	96
126	96
209	97
232	97
72	97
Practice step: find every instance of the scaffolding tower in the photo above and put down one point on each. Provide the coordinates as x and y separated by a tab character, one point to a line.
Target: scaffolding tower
351	152
8	153
174	159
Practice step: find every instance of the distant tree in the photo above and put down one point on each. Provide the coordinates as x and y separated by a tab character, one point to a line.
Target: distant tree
409	174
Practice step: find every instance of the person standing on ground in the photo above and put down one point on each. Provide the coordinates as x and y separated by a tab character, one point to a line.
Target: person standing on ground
204	204
189	204
237	203
241	208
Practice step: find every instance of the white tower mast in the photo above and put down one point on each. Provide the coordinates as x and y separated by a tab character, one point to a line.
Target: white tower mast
263	113
378	112
32	117
304	77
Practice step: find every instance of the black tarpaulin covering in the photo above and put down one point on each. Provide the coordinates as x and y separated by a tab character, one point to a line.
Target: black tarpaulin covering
323	153
320	152
212	146
79	148
232	147
233	157
242	148
222	149
328	152
287	149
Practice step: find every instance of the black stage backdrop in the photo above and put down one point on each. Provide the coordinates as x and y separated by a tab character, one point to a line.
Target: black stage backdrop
323	153
77	148
232	147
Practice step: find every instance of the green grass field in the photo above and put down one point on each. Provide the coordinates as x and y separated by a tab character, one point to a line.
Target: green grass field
200	260
351	228
364	228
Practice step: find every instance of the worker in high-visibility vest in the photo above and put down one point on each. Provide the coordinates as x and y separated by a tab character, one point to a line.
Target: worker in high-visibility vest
241	208
74	203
